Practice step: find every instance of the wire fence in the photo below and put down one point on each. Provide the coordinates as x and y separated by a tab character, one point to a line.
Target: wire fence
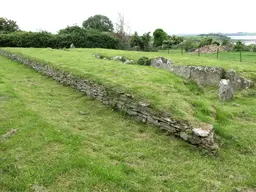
239	56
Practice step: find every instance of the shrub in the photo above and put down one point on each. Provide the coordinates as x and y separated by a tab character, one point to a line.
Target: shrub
205	41
144	61
226	42
44	39
240	46
216	43
159	36
190	45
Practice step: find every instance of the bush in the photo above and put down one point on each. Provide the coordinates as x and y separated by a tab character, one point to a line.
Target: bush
216	43
226	42
144	61
190	45
205	41
240	46
44	39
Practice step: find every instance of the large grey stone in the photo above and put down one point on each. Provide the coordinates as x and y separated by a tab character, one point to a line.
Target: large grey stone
72	46
226	91
97	56
129	62
161	62
203	131
203	76
118	58
238	82
184	136
182	71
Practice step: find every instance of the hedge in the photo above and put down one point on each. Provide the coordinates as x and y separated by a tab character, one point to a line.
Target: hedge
44	39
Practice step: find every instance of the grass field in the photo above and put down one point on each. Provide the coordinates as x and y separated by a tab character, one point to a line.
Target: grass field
226	59
66	142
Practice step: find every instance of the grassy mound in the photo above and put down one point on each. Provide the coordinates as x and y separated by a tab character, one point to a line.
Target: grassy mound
65	142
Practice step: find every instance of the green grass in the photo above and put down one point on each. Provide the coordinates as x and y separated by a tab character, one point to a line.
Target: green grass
164	90
58	149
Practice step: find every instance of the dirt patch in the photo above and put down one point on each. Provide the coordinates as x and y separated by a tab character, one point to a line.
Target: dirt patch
213	49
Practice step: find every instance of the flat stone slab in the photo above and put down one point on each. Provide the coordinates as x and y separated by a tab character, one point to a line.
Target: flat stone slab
204	131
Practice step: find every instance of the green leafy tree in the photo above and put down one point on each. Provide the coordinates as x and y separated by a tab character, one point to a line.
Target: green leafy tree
140	41
145	39
205	41
8	26
99	22
176	39
172	41
168	43
240	46
135	40
159	37
216	43
226	41
190	45
72	30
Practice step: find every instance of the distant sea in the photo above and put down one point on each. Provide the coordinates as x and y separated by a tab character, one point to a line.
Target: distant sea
245	39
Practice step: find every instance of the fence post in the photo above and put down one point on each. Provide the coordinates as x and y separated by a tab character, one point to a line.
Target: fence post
217	53
199	51
181	50
240	56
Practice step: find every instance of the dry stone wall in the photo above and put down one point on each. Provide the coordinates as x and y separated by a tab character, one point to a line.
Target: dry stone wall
204	75
202	136
238	82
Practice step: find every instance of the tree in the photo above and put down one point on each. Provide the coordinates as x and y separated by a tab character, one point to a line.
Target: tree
140	41
168	43
171	41
122	31
176	39
145	39
7	25
99	22
205	41
226	42
71	30
190	45
135	40
216	43
240	46
159	37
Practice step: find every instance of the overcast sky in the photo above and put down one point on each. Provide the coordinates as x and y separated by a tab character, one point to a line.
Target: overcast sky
174	16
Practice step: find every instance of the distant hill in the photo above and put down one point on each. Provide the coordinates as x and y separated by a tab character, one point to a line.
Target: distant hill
240	34
221	34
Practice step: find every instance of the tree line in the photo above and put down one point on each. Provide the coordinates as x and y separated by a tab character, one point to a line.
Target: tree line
98	31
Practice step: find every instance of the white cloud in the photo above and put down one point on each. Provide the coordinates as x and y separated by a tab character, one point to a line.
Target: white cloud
174	16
